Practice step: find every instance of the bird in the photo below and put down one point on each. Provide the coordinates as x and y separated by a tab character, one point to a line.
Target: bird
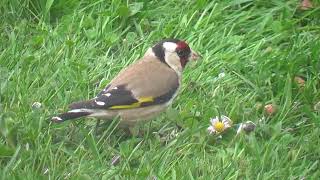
140	91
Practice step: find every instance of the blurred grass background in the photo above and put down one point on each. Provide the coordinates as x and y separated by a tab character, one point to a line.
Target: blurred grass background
58	51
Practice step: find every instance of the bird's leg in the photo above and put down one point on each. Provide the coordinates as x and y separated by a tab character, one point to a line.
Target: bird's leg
97	127
127	131
133	131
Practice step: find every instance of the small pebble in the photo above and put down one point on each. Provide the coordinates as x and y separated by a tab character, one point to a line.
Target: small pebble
300	81
36	105
268	49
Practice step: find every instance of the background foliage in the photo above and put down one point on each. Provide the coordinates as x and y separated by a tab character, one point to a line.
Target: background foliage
59	51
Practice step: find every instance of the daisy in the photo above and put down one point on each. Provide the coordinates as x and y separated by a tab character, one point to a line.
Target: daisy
217	125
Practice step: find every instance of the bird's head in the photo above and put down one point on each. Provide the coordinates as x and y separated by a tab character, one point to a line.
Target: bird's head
175	53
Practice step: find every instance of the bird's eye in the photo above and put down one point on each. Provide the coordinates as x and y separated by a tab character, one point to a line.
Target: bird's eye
181	53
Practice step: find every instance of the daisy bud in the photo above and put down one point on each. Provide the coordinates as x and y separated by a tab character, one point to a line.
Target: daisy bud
300	81
248	126
270	109
306	5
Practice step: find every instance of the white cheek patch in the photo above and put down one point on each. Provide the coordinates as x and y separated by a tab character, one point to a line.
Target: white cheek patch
171	57
173	60
170	46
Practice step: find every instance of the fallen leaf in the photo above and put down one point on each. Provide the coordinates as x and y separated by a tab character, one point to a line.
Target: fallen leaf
115	160
306	5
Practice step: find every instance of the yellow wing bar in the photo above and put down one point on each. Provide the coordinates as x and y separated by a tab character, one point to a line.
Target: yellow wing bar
134	105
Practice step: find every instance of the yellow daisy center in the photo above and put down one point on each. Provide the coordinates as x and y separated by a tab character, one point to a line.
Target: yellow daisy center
219	126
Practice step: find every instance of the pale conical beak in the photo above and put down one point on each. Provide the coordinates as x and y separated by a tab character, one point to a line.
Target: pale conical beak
194	56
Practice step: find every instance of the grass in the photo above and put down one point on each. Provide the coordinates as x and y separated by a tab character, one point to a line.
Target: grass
56	52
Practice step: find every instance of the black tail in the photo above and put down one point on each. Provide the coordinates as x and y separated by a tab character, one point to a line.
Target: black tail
78	109
69	115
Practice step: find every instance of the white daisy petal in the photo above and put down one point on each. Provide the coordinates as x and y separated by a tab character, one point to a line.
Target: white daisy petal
225	118
211	130
214	120
227	125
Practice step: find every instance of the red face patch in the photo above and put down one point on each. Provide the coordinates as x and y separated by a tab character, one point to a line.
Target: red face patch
183	52
182	45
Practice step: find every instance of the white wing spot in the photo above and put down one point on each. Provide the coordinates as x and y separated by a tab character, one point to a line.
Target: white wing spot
107	94
76	110
56	118
100	103
115	87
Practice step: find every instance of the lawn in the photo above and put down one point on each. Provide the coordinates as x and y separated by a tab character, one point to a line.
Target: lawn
58	51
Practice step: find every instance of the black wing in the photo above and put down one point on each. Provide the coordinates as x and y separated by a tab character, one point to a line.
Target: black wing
121	98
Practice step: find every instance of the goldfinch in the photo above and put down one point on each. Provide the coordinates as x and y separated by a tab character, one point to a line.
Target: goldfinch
142	90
